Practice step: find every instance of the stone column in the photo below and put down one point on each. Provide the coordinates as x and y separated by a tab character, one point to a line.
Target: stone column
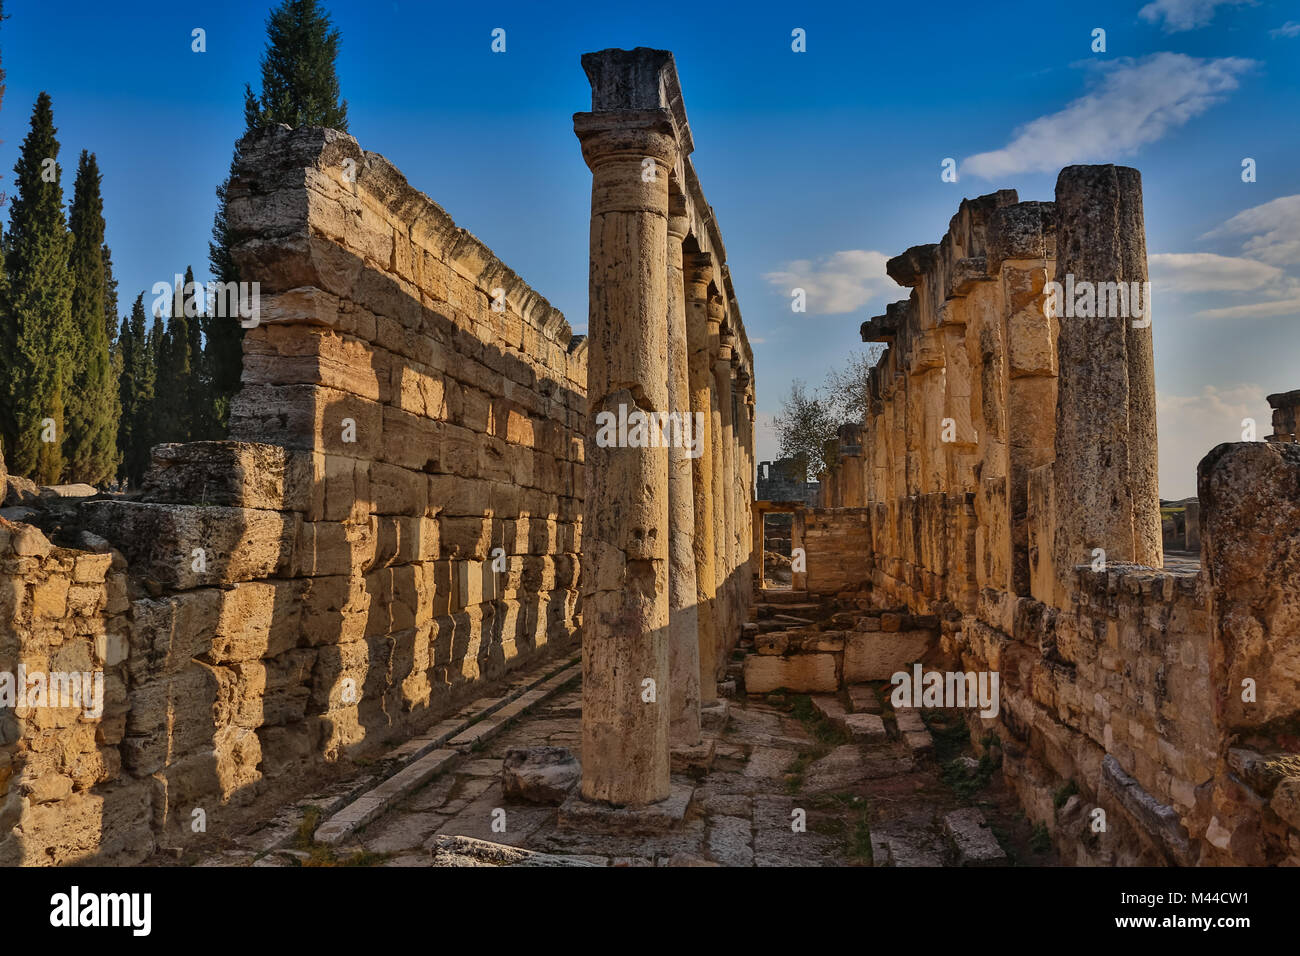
698	271
1192	525
722	374
625	530
722	609
1105	469
683	596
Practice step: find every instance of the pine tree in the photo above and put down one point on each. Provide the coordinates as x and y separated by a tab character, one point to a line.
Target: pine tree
200	421
300	87
90	442
171	418
136	390
110	299
36	341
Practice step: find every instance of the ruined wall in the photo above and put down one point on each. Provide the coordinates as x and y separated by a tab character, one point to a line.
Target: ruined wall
997	487
834	540
396	519
63	790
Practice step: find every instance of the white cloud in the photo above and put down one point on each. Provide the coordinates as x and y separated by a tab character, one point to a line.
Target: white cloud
1256	310
1289	29
1188	426
1181	15
1135	102
1180	272
1274	228
843	283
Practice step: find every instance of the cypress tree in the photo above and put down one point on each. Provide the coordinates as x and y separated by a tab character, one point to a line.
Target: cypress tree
136	389
300	87
172	375
110	299
90	442
200	422
36	342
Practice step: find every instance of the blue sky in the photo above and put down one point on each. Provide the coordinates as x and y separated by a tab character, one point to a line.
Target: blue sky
819	165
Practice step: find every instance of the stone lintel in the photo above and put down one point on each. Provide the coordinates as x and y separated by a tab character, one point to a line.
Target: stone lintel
1026	230
909	268
637	79
965	274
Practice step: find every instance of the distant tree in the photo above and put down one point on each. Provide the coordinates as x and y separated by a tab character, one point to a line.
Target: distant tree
111	317
803	426
171	419
90	442
300	87
845	391
200	404
136	391
36	312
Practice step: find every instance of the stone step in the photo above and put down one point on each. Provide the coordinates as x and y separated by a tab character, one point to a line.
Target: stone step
782	596
422	764
972	839
864	700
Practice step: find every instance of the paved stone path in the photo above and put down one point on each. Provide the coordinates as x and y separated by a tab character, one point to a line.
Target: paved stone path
783	790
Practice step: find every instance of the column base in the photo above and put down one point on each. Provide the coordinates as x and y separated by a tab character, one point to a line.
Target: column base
579	814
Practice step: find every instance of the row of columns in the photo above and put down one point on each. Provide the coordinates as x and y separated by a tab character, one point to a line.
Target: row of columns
667	530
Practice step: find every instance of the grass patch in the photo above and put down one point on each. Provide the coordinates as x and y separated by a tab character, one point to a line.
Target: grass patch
826	736
852	825
1064	793
304	839
321	855
1040	841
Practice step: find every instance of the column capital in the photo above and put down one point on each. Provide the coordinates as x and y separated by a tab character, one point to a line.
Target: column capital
679	220
627	134
698	267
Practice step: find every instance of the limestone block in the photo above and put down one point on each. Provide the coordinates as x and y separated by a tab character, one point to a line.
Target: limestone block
168	633
278	354
310	417
398	491
539	774
162	541
410	441
257	619
1250	518
878	655
464	537
455	496
803	673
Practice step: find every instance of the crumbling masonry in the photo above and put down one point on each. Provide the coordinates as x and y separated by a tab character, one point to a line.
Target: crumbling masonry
1006	474
416	491
399	514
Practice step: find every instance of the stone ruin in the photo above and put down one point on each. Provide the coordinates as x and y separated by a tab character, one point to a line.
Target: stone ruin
786	480
1003	492
415	501
398	516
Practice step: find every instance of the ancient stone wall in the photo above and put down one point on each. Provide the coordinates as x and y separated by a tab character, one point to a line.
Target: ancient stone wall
397	518
1007	463
64	792
834	540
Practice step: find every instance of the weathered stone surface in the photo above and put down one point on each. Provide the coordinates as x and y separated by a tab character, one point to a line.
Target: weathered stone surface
973	841
879	655
539	774
805	673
